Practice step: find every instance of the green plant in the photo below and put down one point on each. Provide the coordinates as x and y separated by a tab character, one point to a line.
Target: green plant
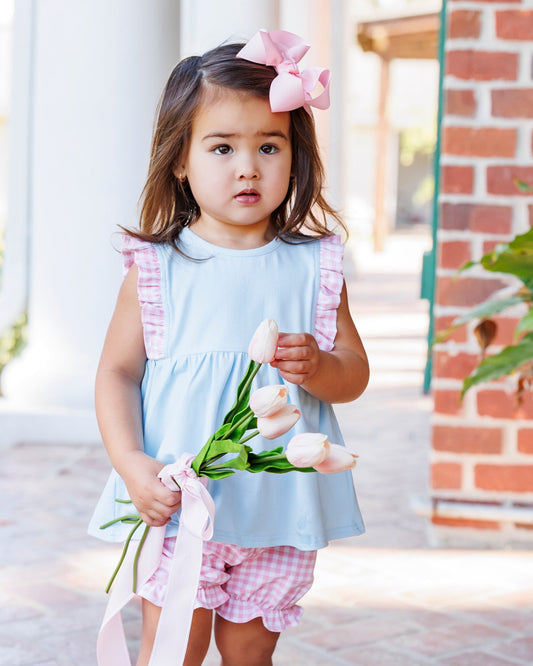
514	258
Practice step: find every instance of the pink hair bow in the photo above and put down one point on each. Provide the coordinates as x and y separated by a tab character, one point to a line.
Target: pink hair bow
291	88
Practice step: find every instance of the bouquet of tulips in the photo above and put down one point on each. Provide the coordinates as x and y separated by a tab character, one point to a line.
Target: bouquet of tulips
265	412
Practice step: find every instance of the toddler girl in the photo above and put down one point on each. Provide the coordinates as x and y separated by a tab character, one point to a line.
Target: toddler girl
233	230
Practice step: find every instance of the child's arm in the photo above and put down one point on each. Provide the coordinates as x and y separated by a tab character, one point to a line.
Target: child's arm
340	375
119	411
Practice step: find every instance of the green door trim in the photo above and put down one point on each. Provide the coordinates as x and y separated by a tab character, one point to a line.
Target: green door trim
429	261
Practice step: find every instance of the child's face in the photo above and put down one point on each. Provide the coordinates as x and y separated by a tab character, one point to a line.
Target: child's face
239	163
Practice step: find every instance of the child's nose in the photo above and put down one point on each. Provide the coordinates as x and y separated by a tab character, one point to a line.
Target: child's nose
247	169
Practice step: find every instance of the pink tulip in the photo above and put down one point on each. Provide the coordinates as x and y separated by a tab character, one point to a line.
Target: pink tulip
307	449
279	423
338	459
264	342
268	400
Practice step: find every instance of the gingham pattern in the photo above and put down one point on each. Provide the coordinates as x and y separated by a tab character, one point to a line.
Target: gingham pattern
149	290
244	583
329	295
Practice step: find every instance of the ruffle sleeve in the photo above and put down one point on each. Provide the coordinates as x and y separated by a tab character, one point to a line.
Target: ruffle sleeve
144	256
329	293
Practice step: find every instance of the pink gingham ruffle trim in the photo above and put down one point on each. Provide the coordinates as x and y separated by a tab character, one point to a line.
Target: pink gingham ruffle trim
143	254
329	293
274	619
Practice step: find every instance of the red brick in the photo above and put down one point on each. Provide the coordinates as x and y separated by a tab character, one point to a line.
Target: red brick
457	179
459	335
453	254
501	404
461	103
525	408
476	217
496	403
500	179
482	65
505	330
467	440
512	103
465	291
457	366
489	246
504	478
446	475
447	402
464	23
514	24
525	440
465	522
484	142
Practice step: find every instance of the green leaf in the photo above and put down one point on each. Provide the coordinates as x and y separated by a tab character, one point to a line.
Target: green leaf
522	242
525	324
241	461
222	431
241	423
507	361
201	456
243	391
518	264
273	461
221	447
217	473
482	311
522	185
280	466
466	266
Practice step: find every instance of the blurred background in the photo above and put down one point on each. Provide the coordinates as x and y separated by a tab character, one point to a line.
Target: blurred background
77	100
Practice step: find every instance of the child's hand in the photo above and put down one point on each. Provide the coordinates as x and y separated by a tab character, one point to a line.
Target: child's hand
297	357
152	499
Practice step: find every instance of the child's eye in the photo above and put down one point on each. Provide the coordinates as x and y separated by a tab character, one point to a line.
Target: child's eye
268	149
222	150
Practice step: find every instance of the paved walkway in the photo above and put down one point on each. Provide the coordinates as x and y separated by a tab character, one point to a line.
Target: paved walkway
387	597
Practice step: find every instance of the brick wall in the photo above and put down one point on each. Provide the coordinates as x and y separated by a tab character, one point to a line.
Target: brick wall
482	449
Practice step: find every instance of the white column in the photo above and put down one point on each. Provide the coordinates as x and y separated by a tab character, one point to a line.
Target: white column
97	73
208	23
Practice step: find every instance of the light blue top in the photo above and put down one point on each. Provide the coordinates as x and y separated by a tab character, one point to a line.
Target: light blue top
211	310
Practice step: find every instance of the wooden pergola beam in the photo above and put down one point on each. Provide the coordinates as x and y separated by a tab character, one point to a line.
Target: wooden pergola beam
404	37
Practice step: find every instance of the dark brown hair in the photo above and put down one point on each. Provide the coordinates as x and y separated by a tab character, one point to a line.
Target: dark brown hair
168	204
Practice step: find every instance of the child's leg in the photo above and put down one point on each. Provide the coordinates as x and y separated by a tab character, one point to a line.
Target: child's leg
199	636
245	644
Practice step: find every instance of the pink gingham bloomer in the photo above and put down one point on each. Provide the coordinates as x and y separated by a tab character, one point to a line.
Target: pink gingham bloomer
244	583
150	298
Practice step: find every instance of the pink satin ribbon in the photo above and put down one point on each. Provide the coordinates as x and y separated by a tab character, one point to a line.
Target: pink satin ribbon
196	526
291	88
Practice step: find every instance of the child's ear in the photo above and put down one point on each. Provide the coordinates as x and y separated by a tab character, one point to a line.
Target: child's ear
180	173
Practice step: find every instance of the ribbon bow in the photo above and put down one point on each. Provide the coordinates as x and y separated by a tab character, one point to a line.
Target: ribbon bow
196	526
291	88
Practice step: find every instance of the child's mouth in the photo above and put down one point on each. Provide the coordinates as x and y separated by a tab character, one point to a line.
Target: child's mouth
247	197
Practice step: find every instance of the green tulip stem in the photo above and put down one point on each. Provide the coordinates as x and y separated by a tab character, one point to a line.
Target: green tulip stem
246	387
137	555
254	433
122	519
248	416
124	551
